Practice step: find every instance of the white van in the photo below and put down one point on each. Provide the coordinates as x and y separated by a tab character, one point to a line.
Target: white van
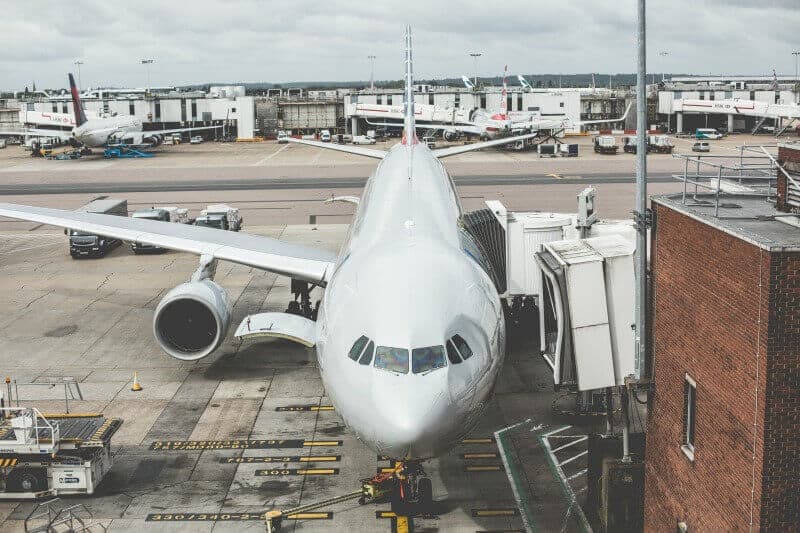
707	133
325	136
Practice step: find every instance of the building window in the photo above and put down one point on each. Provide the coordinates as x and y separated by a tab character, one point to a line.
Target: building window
458	99
183	109
509	102
728	94
379	99
194	110
158	111
712	95
430	98
677	95
388	99
561	104
55	107
689	409
64	108
519	102
483	101
777	97
131	108
752	95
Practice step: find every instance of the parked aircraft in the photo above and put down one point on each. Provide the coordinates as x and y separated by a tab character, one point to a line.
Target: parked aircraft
100	131
410	333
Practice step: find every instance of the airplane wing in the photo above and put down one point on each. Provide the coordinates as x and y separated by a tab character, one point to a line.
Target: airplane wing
264	253
33	132
181	130
447	152
620	119
357	150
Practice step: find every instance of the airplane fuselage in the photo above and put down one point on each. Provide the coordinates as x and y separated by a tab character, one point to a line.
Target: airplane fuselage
409	279
96	132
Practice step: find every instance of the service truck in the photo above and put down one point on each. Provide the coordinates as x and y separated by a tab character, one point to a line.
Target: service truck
220	216
660	144
605	144
164	214
88	244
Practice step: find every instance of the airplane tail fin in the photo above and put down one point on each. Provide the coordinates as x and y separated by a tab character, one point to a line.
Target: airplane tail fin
409	131
80	116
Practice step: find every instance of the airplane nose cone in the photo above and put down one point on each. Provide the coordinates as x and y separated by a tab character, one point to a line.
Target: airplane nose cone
415	425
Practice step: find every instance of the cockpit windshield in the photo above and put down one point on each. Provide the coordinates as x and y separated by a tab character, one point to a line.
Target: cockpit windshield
426	359
392	359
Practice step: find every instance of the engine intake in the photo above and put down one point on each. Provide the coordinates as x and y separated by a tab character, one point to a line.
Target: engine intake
191	321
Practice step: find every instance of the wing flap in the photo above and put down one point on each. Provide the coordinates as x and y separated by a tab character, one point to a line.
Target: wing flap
446	152
259	252
356	150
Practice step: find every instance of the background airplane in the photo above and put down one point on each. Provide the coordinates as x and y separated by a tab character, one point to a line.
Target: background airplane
100	131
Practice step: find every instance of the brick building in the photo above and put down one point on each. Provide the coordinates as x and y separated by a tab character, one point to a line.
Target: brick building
723	434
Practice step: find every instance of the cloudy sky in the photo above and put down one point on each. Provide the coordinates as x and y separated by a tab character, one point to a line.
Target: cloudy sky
302	40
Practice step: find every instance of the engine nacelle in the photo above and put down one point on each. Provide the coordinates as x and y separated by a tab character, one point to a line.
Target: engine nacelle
191	321
153	140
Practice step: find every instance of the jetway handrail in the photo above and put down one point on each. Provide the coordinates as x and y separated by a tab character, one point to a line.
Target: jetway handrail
750	171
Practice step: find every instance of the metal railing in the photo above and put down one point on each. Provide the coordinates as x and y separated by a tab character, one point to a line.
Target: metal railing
45	518
30	431
72	389
754	172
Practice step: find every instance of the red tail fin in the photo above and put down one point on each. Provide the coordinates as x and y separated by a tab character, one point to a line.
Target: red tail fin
80	116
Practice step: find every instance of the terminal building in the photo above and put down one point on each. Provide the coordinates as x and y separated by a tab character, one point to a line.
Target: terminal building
777	90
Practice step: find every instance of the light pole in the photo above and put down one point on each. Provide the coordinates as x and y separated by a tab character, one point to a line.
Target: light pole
78	64
147	63
475	56
796	55
663	53
371	72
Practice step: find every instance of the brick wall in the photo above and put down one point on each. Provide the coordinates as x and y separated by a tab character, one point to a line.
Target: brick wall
781	468
710	320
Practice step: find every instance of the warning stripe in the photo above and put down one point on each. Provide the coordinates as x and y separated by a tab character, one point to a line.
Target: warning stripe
483	440
239	444
298	472
487	455
231	517
72	415
4	463
304	408
285	459
483	468
486	513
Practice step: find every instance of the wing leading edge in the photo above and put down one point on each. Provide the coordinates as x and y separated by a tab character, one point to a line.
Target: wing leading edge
357	150
264	253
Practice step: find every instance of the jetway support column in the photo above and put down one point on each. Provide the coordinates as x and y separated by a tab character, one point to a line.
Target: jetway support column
730	123
354	126
679	122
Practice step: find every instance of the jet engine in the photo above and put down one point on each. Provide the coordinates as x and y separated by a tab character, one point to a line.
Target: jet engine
153	140
450	136
191	321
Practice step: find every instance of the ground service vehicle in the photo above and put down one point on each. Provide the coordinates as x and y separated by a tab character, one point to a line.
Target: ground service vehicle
605	144
196	140
568	150
283	137
325	136
701	147
363	139
660	144
220	216
164	214
707	133
89	245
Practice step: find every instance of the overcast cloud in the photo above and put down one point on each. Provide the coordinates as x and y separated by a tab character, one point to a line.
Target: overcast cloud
303	40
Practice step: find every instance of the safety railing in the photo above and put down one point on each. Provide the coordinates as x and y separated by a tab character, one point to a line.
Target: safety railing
27	431
753	172
72	389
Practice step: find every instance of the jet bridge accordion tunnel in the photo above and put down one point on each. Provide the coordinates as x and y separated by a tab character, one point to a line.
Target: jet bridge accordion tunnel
587	311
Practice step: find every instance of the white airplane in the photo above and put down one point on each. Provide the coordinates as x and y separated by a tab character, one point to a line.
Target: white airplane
100	131
410	334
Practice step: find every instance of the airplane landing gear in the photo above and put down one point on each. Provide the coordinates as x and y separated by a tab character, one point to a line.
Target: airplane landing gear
302	290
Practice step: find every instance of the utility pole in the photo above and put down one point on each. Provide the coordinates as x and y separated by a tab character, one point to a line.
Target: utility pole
147	63
371	72
796	55
475	56
663	53
78	64
642	218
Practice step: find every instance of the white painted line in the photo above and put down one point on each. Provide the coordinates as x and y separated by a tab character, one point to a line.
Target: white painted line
585	437
573	458
573	476
270	156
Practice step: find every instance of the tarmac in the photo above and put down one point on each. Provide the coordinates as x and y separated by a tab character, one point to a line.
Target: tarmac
211	445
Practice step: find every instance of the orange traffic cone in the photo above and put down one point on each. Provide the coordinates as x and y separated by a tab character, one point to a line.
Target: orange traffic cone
136	386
